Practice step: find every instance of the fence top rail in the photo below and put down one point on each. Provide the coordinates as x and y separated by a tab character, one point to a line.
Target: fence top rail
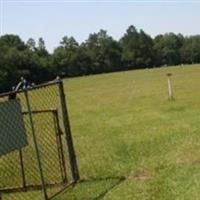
56	81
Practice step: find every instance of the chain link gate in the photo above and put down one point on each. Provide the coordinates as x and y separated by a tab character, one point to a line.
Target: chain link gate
37	158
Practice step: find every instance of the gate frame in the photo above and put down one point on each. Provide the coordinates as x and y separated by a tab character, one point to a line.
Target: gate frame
23	87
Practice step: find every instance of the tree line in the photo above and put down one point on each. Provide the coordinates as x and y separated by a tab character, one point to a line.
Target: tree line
100	53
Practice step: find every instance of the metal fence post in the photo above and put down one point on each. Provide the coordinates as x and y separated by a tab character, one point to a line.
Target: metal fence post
59	146
67	131
13	96
22	169
35	142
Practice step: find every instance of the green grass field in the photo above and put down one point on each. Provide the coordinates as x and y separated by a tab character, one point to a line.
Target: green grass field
131	142
124	126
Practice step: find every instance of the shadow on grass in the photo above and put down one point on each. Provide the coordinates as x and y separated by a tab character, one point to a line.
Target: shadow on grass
91	189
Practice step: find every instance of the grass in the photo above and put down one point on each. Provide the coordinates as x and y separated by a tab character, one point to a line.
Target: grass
131	142
123	125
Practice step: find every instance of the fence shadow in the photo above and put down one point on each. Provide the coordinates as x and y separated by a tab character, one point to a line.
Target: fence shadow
92	188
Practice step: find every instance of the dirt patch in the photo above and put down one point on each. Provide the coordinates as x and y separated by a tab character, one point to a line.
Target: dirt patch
142	175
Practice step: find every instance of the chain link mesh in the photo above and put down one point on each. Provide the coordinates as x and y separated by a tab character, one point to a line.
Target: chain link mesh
19	172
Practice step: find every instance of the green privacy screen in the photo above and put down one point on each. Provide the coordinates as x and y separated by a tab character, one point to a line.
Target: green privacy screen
12	132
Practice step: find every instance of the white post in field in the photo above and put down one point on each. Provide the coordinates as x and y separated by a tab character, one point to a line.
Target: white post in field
170	93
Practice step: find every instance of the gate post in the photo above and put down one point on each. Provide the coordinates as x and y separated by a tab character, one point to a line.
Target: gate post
67	131
37	153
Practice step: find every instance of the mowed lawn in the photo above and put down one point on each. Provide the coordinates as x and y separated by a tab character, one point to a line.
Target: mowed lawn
131	142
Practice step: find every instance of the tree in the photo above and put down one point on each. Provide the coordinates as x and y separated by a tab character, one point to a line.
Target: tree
167	49
41	48
137	49
100	53
104	52
12	41
69	43
190	51
31	44
18	59
63	56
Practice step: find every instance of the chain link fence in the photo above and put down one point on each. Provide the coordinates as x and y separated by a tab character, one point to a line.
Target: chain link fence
37	158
